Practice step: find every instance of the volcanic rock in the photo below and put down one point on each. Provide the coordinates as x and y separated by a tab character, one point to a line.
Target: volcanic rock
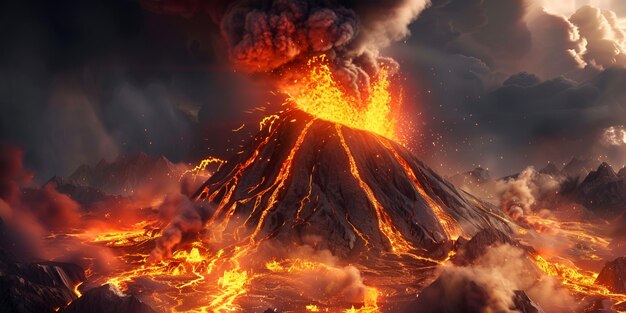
85	195
601	305
304	178
477	176
579	168
468	251
613	275
36	287
603	174
107	299
456	292
603	192
550	169
524	304
126	174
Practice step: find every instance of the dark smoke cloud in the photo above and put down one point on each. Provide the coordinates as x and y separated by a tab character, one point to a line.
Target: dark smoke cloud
160	80
183	217
491	30
278	37
81	81
27	212
544	100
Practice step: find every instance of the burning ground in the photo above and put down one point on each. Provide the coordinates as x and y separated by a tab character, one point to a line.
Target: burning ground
310	215
325	208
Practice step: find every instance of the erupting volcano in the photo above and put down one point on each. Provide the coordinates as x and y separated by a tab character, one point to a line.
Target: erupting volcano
351	190
312	195
325	206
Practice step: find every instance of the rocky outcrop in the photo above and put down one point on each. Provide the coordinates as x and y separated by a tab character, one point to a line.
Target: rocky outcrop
579	168
550	169
468	251
613	275
107	299
477	176
603	191
126	174
36	287
524	304
84	195
601	305
455	292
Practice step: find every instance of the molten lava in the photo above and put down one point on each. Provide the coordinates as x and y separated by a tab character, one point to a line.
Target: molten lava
309	179
320	95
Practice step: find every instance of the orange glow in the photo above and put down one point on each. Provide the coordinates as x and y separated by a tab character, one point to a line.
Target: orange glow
203	165
370	303
385	224
282	177
232	285
576	279
321	96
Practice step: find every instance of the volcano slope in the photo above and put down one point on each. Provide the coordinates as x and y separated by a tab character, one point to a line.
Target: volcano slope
304	180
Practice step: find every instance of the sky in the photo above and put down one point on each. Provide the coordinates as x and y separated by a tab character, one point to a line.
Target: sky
501	84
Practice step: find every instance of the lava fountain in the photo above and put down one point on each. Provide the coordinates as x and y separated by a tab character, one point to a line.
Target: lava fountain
318	94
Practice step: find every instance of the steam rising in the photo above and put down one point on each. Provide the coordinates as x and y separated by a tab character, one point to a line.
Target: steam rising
523	194
490	284
182	217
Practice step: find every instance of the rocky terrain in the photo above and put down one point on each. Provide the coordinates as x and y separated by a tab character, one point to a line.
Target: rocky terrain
316	179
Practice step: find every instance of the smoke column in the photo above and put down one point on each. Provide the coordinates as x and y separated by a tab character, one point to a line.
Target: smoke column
274	38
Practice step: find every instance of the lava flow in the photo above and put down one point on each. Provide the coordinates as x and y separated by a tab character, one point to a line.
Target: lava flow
311	211
321	211
319	94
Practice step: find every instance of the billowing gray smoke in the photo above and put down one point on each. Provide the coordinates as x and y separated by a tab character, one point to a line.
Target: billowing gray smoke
276	36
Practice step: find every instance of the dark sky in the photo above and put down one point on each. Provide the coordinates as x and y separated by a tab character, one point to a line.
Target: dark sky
497	83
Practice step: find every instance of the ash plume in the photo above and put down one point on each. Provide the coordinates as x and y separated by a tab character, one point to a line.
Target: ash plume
183	217
277	37
521	195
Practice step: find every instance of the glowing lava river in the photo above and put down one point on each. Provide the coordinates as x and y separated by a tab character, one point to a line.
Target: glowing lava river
321	211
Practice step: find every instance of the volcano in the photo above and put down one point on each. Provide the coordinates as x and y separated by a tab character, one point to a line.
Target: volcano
305	180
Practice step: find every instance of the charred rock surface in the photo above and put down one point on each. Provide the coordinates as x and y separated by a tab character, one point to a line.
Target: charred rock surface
455	292
36	287
126	174
85	195
304	178
603	191
601	305
577	168
524	304
468	251
107	299
613	275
